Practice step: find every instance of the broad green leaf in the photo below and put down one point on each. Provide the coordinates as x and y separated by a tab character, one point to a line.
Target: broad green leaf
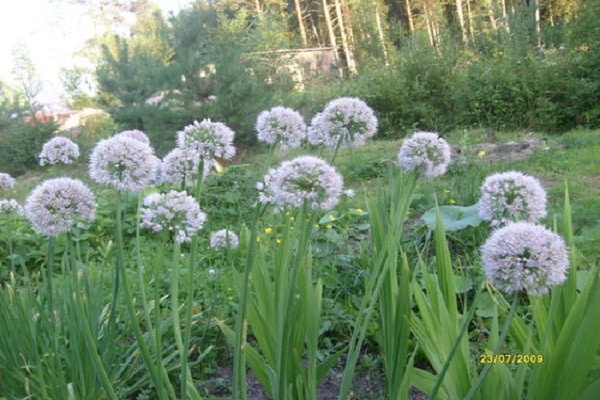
455	217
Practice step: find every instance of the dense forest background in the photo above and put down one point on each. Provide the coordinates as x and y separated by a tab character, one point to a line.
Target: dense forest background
421	64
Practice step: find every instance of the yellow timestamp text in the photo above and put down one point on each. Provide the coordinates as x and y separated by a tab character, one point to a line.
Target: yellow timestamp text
511	359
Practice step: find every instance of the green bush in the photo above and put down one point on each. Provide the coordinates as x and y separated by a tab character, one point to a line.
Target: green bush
20	144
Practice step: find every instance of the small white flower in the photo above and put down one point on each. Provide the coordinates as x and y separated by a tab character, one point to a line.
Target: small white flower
224	238
303	179
124	163
510	197
59	150
283	125
426	153
346	121
210	139
57	205
525	256
173	211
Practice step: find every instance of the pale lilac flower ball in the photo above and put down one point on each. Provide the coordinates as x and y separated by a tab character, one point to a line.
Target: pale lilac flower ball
57	205
180	164
510	197
283	125
6	181
57	150
346	121
525	256
174	211
11	206
211	139
224	238
304	179
135	134
123	163
425	153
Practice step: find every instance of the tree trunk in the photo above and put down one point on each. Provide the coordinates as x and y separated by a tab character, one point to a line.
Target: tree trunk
491	16
536	20
461	21
409	16
470	21
381	36
332	38
350	62
301	25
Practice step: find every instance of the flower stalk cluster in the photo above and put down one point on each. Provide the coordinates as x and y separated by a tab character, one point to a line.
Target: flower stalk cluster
305	179
344	122
425	153
59	150
281	125
173	211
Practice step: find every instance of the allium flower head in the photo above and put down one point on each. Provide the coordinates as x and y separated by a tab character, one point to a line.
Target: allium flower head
180	164
6	181
211	139
224	238
123	163
303	179
57	150
135	134
57	205
10	206
426	153
510	197
346	120
173	211
283	125
525	256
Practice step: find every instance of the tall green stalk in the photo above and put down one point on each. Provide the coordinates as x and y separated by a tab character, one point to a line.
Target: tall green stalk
49	273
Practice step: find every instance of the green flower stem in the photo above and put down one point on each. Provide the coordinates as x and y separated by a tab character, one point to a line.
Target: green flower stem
473	391
239	357
181	346
49	272
187	333
118	265
337	149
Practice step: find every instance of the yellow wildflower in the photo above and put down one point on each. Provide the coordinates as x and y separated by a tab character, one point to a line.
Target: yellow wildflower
452	201
331	217
481	154
278	241
269	230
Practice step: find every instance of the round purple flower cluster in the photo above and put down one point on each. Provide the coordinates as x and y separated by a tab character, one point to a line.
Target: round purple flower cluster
224	238
6	181
173	211
57	150
135	134
510	197
183	164
210	139
346	121
57	205
124	163
425	153
283	125
11	206
525	257
305	179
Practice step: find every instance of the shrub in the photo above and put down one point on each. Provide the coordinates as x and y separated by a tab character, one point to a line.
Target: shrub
20	143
